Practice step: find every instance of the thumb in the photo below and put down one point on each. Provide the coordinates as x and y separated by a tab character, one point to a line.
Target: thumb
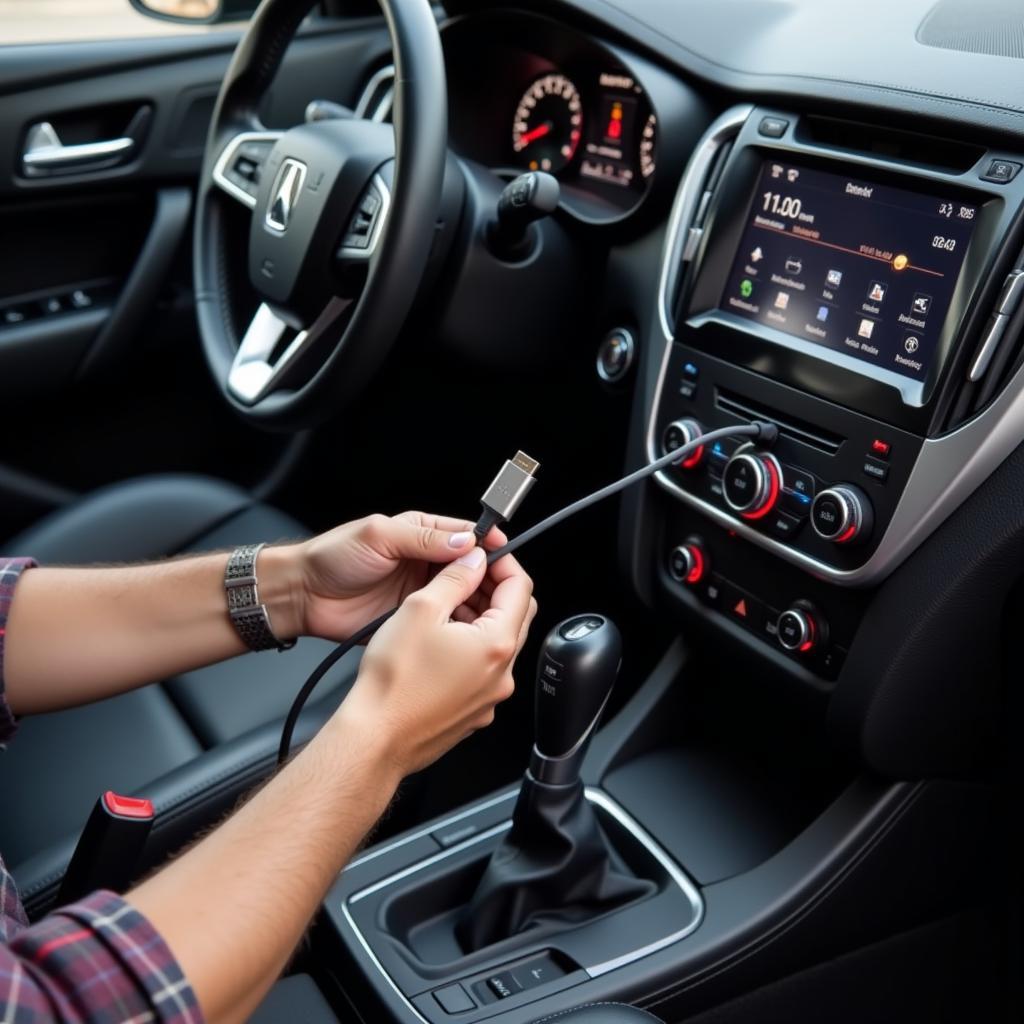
457	582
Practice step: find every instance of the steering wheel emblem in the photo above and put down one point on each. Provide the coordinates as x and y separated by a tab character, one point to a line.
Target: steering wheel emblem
285	194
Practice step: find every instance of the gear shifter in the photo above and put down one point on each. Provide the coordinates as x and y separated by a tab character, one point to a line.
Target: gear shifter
555	863
578	666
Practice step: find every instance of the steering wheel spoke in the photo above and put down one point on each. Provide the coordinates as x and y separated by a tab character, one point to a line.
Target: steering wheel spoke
271	348
239	167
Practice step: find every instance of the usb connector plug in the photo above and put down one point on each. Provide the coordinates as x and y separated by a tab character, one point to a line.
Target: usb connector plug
507	491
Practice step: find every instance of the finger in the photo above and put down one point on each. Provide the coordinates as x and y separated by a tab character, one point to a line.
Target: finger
404	538
454	584
524	631
510	604
450	524
495	539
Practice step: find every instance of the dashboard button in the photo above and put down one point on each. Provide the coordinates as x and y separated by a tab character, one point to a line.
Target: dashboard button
796	503
799	480
741	606
797	630
881	449
1001	171
876	469
784	526
773	127
454	999
688	563
615	355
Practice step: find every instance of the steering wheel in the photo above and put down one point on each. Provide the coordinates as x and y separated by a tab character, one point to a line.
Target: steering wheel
342	220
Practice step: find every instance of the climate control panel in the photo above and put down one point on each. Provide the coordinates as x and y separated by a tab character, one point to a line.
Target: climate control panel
821	497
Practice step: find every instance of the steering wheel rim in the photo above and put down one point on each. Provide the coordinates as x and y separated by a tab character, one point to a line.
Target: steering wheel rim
366	332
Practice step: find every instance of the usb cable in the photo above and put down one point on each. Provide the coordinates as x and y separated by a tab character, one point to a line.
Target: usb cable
500	502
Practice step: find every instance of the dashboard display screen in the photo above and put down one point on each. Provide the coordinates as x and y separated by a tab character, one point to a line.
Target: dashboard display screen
858	267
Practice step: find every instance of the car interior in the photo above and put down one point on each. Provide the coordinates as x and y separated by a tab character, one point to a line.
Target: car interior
278	267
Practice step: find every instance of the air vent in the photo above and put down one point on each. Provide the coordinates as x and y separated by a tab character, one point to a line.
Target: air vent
378	96
693	201
994	27
795	429
998	353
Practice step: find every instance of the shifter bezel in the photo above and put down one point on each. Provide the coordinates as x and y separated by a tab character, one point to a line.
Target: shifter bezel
386	866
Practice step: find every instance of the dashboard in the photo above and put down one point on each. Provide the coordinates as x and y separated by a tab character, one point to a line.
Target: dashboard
792	243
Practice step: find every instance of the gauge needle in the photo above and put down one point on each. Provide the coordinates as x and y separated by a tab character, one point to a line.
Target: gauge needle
535	133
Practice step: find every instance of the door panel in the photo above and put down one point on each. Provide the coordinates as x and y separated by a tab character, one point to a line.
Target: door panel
100	366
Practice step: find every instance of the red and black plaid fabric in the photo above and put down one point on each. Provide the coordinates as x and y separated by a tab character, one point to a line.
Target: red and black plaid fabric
98	961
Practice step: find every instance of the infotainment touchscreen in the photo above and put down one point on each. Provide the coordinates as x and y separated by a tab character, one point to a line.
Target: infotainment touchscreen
858	267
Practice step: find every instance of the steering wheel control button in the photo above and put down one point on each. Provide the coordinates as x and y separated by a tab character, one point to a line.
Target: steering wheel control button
681	432
773	127
615	355
688	563
842	514
751	484
797	630
454	999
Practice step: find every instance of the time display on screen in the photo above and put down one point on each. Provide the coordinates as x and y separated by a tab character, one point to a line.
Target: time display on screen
854	266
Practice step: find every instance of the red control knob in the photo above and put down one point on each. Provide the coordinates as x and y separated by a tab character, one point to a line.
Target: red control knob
688	563
681	432
751	483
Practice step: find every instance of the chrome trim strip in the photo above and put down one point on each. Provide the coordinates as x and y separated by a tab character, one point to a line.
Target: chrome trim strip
468	813
383	108
948	469
220	178
595	796
691	189
606	803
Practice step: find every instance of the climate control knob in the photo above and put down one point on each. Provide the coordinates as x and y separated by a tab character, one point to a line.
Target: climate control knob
842	514
798	630
688	563
751	483
680	432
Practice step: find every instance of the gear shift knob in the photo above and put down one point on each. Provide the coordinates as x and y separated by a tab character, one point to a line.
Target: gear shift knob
579	662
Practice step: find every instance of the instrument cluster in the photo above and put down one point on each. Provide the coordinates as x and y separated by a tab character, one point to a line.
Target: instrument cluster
574	111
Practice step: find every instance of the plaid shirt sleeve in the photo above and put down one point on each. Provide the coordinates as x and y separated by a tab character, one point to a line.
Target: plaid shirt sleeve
98	961
10	570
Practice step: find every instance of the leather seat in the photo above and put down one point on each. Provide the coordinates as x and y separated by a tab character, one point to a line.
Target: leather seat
194	743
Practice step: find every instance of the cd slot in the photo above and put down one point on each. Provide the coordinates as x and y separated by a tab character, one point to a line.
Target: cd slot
797	430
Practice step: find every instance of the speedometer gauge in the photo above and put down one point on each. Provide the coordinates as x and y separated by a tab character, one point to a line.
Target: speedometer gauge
548	124
648	138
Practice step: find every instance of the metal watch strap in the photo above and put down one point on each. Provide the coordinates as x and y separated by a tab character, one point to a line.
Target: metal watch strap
249	617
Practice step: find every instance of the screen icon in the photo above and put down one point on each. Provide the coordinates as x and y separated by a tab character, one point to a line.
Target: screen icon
782	300
866	327
792	174
757	255
794	266
921	304
901	262
834	278
877	291
746	287
777	170
823	313
911	344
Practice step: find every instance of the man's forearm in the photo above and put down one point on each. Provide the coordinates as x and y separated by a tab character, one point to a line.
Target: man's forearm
234	907
77	635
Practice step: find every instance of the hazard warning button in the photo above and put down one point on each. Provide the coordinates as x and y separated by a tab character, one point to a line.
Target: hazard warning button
743	607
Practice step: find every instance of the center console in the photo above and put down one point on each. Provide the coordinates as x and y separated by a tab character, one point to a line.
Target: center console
856	291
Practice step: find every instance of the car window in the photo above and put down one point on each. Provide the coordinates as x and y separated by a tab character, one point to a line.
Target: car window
60	21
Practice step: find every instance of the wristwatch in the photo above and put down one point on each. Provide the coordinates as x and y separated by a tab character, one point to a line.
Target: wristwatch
248	615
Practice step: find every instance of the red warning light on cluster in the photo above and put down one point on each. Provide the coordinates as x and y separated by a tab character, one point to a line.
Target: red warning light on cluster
614	129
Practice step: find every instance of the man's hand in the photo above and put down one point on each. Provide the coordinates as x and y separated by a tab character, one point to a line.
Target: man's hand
435	671
343	579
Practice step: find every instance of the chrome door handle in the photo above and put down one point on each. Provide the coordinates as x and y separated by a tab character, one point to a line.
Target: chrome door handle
45	152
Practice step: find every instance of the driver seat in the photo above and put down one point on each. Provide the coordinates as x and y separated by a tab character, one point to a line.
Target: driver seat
194	743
